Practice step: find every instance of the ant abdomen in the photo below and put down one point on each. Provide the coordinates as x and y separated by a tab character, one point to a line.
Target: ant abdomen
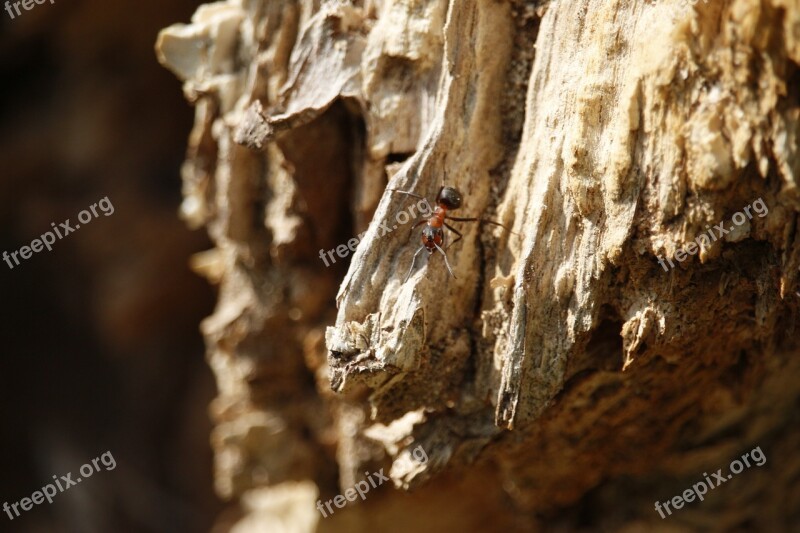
449	197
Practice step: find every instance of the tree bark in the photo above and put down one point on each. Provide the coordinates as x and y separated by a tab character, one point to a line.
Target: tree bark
567	374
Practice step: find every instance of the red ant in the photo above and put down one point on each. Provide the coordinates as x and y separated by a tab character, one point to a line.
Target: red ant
433	236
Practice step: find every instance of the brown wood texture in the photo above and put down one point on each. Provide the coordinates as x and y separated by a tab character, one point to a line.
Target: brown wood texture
564	379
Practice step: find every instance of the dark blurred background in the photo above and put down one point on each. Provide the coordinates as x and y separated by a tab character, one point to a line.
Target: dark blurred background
100	348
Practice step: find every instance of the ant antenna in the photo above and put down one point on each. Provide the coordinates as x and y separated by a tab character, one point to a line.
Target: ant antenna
446	262
413	261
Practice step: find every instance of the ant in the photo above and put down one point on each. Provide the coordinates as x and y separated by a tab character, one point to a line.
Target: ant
433	236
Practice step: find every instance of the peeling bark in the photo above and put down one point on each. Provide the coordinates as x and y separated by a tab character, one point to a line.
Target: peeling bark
563	367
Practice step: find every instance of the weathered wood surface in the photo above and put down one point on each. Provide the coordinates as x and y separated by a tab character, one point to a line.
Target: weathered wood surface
563	368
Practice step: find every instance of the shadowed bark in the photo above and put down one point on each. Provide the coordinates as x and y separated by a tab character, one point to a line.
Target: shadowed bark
567	375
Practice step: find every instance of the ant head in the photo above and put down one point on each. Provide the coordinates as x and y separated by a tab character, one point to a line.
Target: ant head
449	197
432	237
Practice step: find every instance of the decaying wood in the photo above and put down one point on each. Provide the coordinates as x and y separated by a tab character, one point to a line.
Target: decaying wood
562	370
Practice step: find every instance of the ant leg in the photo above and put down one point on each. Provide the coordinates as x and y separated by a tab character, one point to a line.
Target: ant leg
406	192
412	263
415	226
446	262
488	221
454	230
